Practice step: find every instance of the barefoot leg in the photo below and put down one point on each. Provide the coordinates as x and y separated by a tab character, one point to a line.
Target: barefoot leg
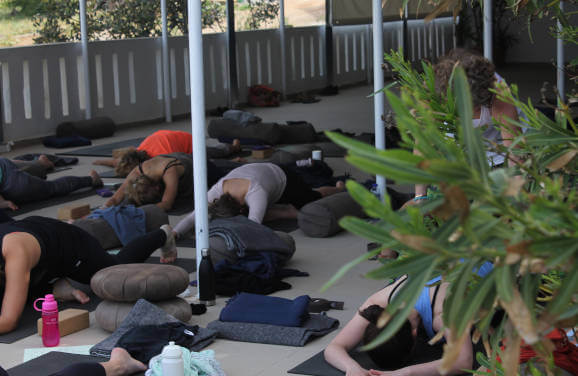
121	364
63	290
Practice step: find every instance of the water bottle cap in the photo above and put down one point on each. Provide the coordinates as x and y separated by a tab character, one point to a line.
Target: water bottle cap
48	304
172	351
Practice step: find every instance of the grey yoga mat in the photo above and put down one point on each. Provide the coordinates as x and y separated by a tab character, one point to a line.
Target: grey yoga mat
53	201
317	366
52	362
104	150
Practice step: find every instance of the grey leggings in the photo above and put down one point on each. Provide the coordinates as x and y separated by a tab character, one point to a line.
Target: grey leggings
20	187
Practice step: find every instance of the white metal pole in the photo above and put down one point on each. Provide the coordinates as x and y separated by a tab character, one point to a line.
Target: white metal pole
84	43
560	60
283	46
165	51
488	30
198	127
379	96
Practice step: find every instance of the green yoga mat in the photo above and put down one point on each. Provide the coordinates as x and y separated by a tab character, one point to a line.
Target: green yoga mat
104	150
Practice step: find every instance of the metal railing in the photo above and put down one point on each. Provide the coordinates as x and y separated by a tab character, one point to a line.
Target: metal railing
41	86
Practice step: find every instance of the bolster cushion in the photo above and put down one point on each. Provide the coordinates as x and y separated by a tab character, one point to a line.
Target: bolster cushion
130	282
297	133
268	133
320	218
92	128
220	252
101	230
109	315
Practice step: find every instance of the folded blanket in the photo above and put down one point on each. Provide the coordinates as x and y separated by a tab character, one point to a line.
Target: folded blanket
145	313
243	118
263	309
316	326
241	234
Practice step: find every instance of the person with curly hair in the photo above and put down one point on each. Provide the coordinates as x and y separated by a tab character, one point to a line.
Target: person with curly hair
488	110
160	180
159	143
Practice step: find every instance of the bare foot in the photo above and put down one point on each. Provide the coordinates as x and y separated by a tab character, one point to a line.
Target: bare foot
340	184
239	160
121	363
63	290
235	146
8	204
96	180
43	159
169	249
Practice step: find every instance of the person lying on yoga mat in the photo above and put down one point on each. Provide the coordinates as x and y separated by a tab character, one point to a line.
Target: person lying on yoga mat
397	352
161	142
482	77
262	191
18	187
119	364
160	180
37	251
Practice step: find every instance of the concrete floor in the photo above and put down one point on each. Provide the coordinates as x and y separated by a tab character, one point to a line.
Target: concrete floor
351	110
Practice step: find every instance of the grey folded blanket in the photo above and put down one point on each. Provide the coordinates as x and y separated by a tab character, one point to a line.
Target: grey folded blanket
316	326
145	313
243	235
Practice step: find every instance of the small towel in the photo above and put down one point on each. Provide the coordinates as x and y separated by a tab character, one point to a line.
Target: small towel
127	221
316	326
261	309
145	313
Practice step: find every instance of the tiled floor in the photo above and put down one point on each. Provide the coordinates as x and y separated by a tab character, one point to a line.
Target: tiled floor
351	110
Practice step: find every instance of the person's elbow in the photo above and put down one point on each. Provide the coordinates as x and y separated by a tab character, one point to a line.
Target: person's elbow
8	324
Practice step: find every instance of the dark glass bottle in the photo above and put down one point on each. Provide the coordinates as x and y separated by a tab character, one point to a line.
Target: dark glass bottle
206	277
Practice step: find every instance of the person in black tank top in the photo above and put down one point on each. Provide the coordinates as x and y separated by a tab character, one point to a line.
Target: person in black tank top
37	251
161	180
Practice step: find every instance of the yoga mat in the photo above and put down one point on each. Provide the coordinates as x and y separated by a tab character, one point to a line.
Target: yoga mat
52	362
182	207
104	150
33	353
53	201
317	366
110	174
285	225
27	324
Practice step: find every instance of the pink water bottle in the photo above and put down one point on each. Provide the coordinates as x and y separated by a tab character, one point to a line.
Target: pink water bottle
50	332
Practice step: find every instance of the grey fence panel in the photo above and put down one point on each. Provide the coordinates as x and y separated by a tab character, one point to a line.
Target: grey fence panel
305	59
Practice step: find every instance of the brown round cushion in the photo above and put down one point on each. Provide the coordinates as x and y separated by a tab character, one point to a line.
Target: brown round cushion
109	315
130	282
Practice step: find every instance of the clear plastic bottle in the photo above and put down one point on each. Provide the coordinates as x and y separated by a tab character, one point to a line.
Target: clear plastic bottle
172	360
206	277
50	330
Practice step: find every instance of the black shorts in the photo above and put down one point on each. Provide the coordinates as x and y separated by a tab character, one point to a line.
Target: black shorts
297	192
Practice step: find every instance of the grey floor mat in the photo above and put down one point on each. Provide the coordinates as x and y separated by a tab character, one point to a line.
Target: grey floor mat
182	206
104	150
52	362
189	264
53	201
317	366
109	174
285	225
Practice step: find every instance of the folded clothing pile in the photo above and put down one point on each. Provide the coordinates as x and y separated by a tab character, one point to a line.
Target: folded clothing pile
272	320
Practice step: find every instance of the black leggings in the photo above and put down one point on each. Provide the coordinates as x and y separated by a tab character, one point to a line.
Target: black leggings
95	258
297	192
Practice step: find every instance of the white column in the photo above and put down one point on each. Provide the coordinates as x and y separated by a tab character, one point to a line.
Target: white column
560	60
198	127
165	50
283	46
378	98
85	67
488	30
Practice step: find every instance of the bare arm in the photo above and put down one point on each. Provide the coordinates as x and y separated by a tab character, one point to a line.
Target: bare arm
118	196
186	224
503	111
16	249
337	352
171	180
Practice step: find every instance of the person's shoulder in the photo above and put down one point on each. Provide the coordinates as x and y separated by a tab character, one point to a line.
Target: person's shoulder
503	108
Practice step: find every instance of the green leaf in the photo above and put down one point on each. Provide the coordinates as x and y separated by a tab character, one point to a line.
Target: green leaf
504	282
347	267
457	292
365	230
564	295
401	266
470	138
474	301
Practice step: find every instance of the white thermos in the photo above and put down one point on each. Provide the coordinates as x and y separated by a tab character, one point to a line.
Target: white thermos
172	360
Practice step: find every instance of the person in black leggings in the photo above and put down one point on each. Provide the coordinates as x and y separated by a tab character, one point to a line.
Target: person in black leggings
120	364
37	251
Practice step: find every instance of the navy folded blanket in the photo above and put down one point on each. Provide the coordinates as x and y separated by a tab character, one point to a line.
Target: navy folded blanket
262	309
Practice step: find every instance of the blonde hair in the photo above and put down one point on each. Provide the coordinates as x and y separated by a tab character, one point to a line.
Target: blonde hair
144	190
128	158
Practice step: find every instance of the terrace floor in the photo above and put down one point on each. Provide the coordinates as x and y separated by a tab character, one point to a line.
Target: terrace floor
351	111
